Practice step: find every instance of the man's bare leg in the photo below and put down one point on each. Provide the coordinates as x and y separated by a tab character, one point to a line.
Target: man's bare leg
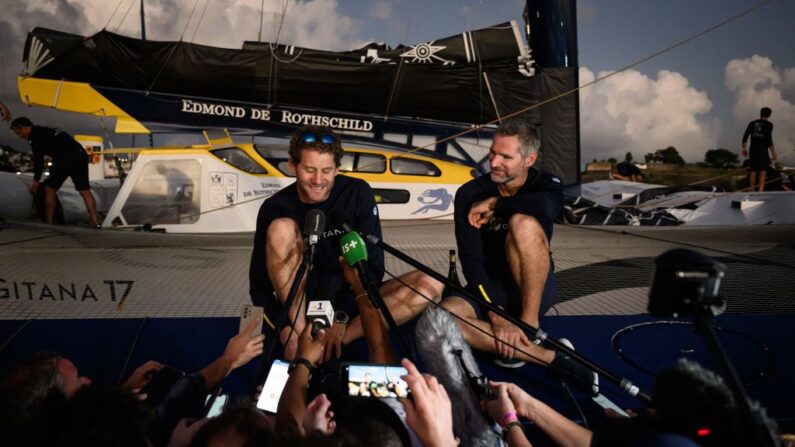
91	206
762	179
528	255
49	204
752	181
481	337
403	303
283	253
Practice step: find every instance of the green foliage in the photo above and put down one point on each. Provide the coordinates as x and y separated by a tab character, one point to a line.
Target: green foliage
721	158
668	155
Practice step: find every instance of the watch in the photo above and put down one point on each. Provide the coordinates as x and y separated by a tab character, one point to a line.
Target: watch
301	361
341	317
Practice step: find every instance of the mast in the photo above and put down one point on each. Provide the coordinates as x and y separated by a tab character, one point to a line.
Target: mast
143	22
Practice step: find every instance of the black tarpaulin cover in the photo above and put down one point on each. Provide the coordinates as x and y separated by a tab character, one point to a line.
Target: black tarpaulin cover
439	80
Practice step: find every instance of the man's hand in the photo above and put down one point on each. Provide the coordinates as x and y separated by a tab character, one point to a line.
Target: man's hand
481	212
185	431
773	155
351	275
290	346
507	336
243	347
142	375
311	348
35	186
429	413
318	417
521	400
499	407
334	340
745	151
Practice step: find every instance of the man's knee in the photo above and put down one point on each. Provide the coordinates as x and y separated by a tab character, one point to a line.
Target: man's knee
283	230
524	227
458	306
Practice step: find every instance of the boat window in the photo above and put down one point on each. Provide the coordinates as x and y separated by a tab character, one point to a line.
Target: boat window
375	163
386	196
346	164
240	159
277	156
166	192
410	166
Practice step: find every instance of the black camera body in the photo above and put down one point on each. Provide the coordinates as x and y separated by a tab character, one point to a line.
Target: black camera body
685	282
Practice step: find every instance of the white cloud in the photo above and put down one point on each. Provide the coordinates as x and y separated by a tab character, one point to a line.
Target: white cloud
381	10
631	112
755	83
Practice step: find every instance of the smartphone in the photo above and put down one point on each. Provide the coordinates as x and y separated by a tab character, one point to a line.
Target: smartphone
273	387
251	313
216	404
374	380
160	384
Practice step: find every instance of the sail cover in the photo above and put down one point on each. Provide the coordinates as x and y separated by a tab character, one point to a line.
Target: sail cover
440	88
448	79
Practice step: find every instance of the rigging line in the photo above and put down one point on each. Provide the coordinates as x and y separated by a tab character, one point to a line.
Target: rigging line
464	320
114	13
686	244
124	17
192	10
599	79
201	17
392	91
281	22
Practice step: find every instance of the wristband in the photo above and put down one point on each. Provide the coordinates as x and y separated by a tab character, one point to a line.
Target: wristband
301	361
508	417
361	295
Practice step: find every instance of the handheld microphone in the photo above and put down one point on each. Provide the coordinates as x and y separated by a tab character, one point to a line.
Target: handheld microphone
353	248
319	314
314	224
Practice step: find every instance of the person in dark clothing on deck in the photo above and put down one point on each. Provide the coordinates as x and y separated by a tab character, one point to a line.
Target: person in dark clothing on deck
503	225
761	133
314	156
69	159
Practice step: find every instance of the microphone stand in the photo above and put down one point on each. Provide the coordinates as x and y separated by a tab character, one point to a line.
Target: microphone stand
378	301
281	321
533	333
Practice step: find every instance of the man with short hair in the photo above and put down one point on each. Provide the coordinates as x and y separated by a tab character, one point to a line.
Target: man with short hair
69	159
314	157
761	133
503	225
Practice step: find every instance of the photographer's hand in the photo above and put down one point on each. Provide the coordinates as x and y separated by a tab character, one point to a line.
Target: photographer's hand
429	413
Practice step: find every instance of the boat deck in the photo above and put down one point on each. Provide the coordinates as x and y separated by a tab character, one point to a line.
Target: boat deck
67	272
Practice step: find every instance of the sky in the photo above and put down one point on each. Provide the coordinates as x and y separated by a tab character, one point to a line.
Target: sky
696	97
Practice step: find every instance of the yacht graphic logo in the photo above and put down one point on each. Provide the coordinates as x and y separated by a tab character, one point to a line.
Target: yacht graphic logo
426	53
434	199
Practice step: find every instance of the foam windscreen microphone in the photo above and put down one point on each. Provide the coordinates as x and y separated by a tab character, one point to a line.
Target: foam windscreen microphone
314	224
353	248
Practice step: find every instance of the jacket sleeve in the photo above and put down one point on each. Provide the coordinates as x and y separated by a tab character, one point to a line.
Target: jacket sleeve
369	222
747	133
470	249
38	160
543	205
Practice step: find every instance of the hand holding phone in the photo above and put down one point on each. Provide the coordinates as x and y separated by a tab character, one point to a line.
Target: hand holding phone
374	380
251	313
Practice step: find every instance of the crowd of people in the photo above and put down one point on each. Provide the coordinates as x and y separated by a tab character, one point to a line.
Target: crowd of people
503	227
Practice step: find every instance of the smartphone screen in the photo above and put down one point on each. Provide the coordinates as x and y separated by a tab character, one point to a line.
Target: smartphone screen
371	380
217	404
274	384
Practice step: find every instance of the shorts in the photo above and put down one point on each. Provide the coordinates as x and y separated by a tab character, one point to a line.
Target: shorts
75	167
503	280
758	159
